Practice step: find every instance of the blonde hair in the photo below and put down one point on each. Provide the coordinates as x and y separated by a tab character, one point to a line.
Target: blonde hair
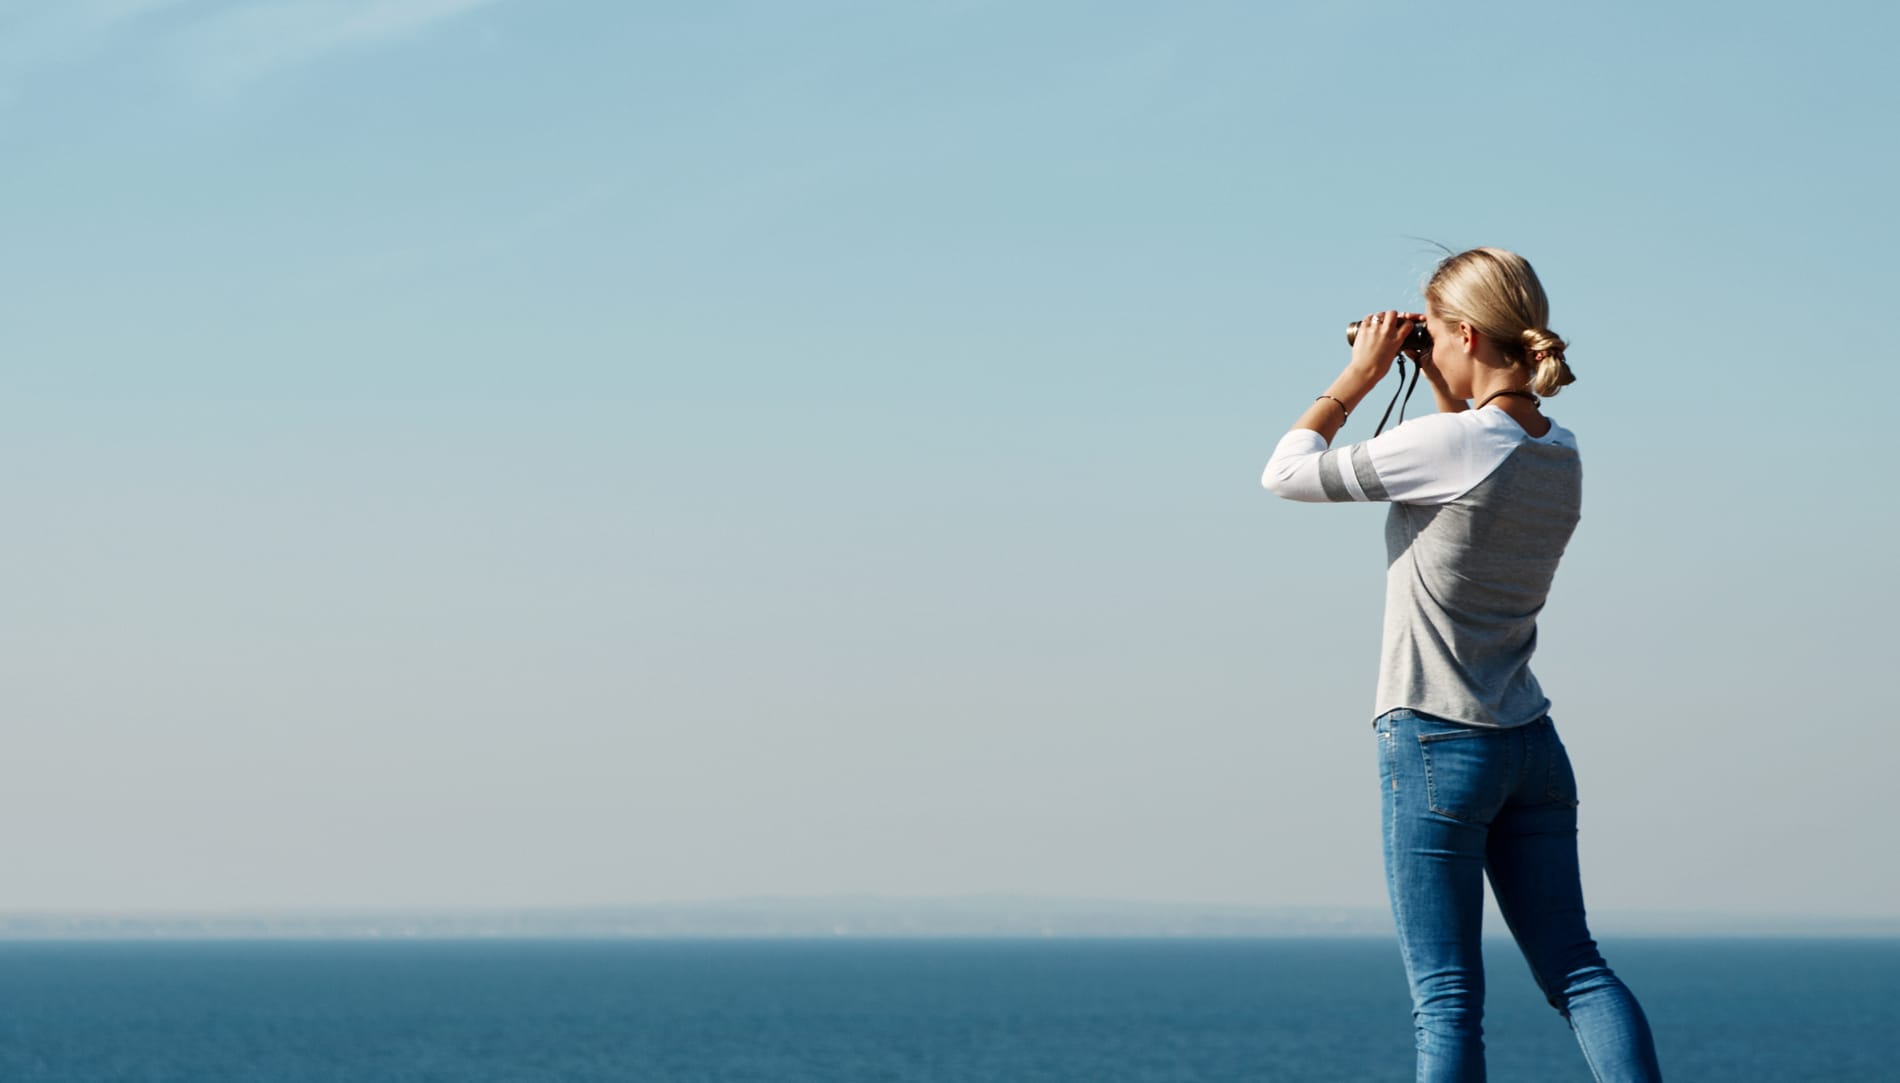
1497	293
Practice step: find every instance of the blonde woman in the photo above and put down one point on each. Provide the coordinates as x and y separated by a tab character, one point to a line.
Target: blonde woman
1473	778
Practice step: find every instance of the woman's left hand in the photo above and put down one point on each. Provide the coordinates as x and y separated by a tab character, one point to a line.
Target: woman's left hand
1377	344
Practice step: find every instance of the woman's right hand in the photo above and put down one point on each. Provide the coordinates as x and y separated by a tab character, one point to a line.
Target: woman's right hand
1441	391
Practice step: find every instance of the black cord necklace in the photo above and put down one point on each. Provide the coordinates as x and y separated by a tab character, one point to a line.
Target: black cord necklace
1535	401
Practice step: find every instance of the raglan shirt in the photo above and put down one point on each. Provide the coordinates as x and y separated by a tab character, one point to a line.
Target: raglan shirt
1480	514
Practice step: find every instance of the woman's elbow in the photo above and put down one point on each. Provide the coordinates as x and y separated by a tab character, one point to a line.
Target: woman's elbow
1282	478
1277	478
1272	478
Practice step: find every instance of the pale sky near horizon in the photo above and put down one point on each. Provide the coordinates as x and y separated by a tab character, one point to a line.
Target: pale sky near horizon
545	452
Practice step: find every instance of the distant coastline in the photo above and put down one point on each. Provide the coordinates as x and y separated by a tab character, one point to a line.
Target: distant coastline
854	916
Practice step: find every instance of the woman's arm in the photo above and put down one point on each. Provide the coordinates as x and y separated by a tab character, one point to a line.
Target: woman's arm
1447	403
1373	351
1433	459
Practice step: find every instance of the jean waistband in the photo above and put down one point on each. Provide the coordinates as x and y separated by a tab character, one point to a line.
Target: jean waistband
1400	714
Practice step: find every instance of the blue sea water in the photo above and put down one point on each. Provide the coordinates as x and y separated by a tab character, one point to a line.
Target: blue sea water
855	1011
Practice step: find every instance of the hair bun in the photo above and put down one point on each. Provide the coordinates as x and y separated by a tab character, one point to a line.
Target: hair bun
1496	292
1539	343
1544	352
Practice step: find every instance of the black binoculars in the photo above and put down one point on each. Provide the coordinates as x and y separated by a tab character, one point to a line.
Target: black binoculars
1420	340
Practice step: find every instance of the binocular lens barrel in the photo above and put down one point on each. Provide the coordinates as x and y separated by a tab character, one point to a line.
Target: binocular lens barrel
1419	339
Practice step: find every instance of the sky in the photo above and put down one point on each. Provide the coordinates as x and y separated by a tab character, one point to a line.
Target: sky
570	452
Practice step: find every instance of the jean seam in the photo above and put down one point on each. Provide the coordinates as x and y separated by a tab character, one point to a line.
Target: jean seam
1551	793
1391	858
1585	1046
1398	903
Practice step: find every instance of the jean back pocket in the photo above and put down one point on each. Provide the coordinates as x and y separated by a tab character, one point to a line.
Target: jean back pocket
1463	776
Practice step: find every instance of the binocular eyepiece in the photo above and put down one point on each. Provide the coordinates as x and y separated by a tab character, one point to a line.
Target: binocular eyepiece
1419	340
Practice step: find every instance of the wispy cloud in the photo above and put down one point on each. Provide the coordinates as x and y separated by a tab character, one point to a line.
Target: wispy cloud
241	43
217	45
46	35
106	13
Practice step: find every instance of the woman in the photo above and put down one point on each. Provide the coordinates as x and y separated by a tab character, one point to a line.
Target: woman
1473	777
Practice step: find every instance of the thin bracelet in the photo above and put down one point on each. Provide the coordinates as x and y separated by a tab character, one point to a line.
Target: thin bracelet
1342	408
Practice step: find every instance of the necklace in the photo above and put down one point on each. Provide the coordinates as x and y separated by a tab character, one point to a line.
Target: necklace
1535	401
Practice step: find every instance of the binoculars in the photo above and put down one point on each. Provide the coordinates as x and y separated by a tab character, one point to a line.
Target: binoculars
1420	340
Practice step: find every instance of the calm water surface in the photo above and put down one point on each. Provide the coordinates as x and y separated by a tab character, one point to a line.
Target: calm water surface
843	1011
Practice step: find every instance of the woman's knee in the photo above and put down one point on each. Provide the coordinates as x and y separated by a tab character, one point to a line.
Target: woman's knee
1449	1002
1578	975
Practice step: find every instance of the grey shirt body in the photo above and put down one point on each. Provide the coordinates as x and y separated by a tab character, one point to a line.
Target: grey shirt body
1481	514
1464	583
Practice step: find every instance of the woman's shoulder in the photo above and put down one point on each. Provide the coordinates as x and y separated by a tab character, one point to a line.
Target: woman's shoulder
1438	458
1558	436
1459	433
1499	429
1430	429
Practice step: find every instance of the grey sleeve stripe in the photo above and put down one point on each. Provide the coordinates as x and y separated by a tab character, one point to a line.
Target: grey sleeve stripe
1329	479
1367	477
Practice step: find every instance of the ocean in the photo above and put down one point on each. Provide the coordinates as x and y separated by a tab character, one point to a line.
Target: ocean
855	1011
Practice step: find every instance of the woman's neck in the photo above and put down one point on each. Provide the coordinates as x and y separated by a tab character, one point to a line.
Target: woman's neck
1506	389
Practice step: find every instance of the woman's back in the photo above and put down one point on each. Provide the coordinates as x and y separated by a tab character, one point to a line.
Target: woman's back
1481	513
1466	579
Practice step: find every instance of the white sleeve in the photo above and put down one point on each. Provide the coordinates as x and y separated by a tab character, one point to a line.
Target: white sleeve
1428	460
1293	472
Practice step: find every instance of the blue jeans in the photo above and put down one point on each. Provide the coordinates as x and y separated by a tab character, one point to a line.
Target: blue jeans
1461	802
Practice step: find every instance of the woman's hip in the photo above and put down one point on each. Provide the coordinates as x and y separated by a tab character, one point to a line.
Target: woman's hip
1430	765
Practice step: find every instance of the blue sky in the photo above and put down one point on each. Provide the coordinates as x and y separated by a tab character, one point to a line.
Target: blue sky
509	452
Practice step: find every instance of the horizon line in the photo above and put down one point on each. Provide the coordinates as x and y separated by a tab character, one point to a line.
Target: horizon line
856	915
